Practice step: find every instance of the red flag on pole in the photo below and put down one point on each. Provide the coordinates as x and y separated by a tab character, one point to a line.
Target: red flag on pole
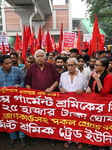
90	49
31	42
49	43
18	44
79	42
28	36
3	49
39	39
61	39
96	37
24	45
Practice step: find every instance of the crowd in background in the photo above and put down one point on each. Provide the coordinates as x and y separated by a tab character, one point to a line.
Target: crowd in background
56	72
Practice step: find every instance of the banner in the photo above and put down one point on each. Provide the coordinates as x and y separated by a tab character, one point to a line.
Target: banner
84	118
3	38
88	37
69	39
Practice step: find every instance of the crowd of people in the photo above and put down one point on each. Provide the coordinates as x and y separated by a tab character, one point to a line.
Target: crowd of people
56	72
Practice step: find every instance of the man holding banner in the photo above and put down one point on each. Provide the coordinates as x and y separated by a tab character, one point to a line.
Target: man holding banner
72	81
42	75
11	76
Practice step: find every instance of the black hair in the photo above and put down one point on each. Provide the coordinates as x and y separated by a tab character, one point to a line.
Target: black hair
74	50
80	57
102	51
65	59
93	57
104	62
58	57
14	54
109	58
3	58
52	53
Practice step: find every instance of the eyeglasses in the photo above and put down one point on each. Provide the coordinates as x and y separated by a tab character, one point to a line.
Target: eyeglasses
70	65
97	65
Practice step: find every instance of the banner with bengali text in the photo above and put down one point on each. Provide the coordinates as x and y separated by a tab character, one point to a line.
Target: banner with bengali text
84	118
69	40
3	38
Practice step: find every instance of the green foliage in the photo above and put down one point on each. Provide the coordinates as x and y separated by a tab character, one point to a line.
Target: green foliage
103	9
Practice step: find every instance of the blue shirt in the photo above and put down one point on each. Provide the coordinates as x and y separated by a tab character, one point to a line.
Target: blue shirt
14	76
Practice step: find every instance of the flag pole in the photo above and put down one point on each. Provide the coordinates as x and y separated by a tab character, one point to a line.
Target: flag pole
97	56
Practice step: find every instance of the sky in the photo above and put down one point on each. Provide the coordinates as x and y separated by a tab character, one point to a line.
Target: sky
78	7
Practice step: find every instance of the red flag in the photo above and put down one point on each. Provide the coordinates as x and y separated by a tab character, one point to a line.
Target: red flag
49	43
39	39
90	49
24	45
18	44
86	44
61	39
53	40
96	37
56	47
28	36
31	42
79	42
3	49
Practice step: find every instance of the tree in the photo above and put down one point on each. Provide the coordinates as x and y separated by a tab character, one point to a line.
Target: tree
103	9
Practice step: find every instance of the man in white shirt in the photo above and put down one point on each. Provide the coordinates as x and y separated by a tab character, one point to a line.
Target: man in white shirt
72	81
83	70
91	67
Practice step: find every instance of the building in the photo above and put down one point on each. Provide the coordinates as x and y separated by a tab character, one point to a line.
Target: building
44	13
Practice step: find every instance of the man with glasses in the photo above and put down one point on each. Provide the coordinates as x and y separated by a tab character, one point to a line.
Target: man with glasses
72	81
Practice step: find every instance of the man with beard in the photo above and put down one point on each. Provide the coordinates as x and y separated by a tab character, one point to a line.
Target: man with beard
81	68
14	57
11	76
91	67
59	65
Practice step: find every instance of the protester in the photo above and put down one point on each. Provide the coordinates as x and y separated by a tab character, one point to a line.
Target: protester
86	56
109	69
63	54
65	63
11	76
59	65
102	53
74	53
14	57
100	81
42	75
12	50
50	57
72	81
91	67
81	68
29	60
